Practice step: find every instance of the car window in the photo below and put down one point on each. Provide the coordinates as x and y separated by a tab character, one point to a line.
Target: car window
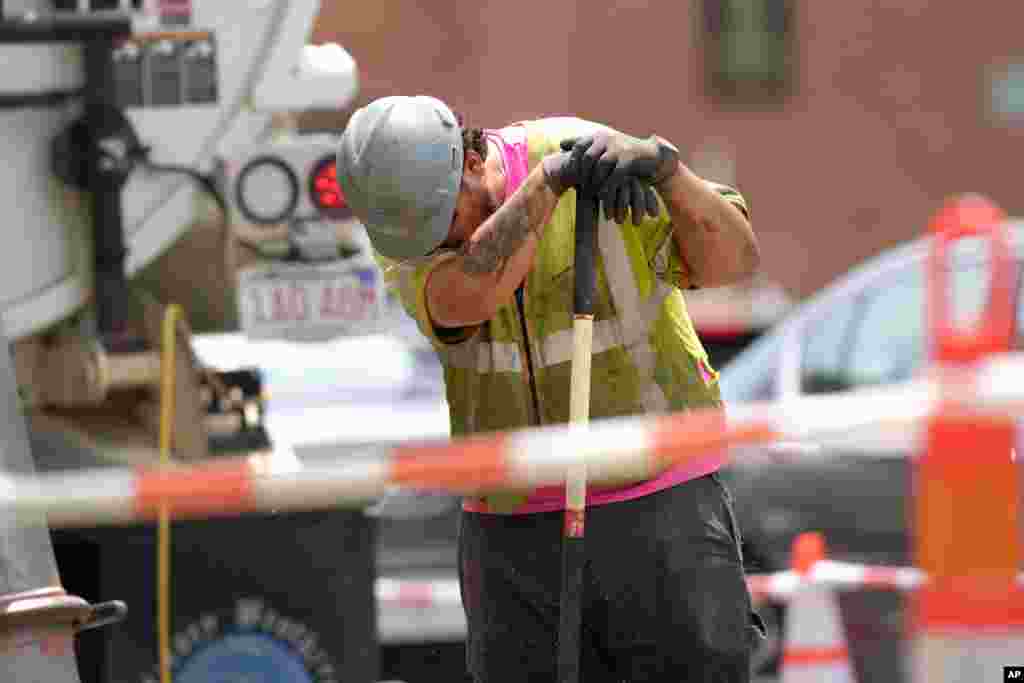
826	343
888	341
750	376
879	336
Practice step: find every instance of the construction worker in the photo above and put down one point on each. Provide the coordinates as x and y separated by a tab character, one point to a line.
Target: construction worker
475	229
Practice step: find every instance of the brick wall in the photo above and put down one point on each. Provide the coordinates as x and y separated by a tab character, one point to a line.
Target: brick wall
889	113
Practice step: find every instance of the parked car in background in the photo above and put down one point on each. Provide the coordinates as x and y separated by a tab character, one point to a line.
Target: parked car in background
867	329
728	319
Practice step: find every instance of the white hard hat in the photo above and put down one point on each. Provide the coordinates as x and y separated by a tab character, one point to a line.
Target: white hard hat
400	169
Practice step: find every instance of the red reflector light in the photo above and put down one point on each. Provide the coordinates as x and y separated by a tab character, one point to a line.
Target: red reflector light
326	192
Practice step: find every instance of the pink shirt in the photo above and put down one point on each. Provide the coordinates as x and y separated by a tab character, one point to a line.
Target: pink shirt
512	143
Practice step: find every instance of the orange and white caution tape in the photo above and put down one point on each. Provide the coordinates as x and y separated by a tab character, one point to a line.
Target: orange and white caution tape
611	450
837	576
776	587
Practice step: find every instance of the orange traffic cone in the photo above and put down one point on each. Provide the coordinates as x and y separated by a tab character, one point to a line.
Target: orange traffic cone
814	649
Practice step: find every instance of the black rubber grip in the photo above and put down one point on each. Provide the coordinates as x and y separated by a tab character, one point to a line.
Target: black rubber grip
586	244
571	609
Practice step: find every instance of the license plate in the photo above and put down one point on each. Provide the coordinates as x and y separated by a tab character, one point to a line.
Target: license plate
311	302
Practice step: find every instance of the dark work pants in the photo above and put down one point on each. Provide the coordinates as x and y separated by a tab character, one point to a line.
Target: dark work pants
665	593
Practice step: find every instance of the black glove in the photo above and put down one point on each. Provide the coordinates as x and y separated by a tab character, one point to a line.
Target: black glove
607	160
631	195
561	171
607	157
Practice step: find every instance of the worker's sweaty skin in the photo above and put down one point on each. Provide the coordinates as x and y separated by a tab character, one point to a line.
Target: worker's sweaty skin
489	249
501	236
492	261
496	257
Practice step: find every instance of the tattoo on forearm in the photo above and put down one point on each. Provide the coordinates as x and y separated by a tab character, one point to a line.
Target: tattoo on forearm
502	235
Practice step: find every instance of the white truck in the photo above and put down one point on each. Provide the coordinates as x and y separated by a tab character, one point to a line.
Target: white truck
125	123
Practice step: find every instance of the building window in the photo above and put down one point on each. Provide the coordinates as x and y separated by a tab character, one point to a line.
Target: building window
1006	96
748	48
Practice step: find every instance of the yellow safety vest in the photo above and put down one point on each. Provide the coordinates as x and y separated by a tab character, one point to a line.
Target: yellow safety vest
513	371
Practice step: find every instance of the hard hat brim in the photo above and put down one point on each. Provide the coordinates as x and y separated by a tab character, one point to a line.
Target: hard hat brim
402	243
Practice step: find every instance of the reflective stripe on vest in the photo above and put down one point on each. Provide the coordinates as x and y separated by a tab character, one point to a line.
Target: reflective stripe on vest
486	357
636	315
631	329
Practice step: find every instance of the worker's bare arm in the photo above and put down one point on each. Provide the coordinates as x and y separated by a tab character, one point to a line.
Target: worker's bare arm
467	289
715	239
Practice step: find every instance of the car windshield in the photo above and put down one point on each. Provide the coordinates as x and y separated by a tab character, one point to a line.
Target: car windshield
871	333
750	376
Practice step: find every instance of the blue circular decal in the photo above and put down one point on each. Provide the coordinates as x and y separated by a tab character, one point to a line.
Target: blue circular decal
244	657
251	643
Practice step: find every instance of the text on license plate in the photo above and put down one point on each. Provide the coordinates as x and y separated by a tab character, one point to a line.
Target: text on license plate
346	299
